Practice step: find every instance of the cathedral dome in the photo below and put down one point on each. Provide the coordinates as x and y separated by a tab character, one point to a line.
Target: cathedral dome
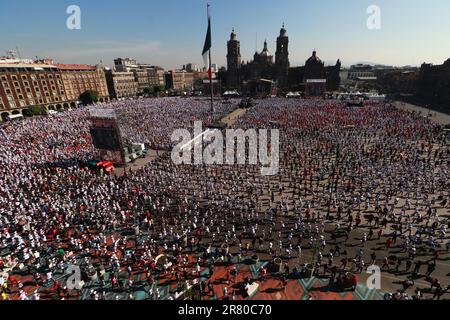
265	52
314	58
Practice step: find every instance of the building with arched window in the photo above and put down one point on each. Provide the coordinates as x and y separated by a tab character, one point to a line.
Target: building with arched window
26	83
313	78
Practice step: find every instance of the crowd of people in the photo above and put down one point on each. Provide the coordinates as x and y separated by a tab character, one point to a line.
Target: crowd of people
356	187
65	138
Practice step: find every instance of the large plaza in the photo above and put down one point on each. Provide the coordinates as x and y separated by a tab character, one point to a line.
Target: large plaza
357	187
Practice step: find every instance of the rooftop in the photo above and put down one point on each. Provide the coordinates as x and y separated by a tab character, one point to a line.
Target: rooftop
25	65
74	66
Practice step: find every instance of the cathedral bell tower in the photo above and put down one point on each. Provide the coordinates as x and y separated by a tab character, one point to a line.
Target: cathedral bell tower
282	58
233	61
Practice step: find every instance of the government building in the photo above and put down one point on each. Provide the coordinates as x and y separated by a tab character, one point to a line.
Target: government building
26	83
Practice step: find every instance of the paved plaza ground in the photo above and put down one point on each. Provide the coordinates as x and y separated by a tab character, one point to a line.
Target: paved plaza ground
285	189
436	116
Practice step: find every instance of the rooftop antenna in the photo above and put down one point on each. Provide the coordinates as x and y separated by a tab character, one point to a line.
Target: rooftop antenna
256	43
18	52
11	54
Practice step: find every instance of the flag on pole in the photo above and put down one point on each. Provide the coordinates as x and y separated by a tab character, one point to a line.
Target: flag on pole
207	48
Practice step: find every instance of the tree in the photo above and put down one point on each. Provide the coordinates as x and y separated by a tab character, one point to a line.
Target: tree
35	111
38	110
148	91
198	84
27	113
281	93
89	97
158	89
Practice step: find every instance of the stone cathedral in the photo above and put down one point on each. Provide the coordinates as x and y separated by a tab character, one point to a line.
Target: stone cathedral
263	66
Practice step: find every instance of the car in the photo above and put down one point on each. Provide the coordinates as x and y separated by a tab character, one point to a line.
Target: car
52	112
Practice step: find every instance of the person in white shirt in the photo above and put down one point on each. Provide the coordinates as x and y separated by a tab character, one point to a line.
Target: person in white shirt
23	295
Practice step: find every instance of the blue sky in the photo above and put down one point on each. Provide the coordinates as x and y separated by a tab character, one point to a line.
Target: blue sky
171	32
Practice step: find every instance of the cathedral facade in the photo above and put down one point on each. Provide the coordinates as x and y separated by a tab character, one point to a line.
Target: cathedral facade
264	66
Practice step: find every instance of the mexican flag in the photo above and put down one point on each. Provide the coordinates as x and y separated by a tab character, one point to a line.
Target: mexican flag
207	48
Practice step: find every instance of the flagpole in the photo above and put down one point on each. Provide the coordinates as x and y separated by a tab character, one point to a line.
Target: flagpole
210	72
